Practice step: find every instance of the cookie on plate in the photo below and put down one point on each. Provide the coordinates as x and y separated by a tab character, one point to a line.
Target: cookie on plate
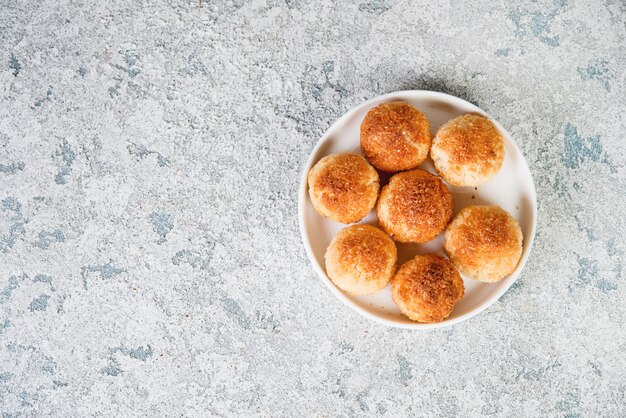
361	259
414	207
343	187
484	243
395	136
468	150
426	288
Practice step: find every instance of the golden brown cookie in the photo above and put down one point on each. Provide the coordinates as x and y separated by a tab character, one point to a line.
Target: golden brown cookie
484	243
343	187
426	288
395	136
468	150
414	207
361	259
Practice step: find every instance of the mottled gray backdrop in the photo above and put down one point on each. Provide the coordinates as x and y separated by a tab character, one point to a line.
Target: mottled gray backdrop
150	257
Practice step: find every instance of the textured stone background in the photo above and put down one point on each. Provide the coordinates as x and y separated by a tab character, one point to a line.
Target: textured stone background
150	258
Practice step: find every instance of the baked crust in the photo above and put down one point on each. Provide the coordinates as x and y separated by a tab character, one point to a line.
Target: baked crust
426	288
468	150
361	259
414	207
343	187
484	243
395	136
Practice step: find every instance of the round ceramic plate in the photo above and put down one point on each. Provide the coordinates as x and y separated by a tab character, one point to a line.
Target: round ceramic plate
512	189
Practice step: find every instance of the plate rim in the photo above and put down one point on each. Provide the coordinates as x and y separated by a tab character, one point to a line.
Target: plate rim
302	195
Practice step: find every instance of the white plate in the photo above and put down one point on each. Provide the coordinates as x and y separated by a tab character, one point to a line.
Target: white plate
512	189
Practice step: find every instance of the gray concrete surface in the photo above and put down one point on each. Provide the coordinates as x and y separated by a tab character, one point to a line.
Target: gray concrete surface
150	258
